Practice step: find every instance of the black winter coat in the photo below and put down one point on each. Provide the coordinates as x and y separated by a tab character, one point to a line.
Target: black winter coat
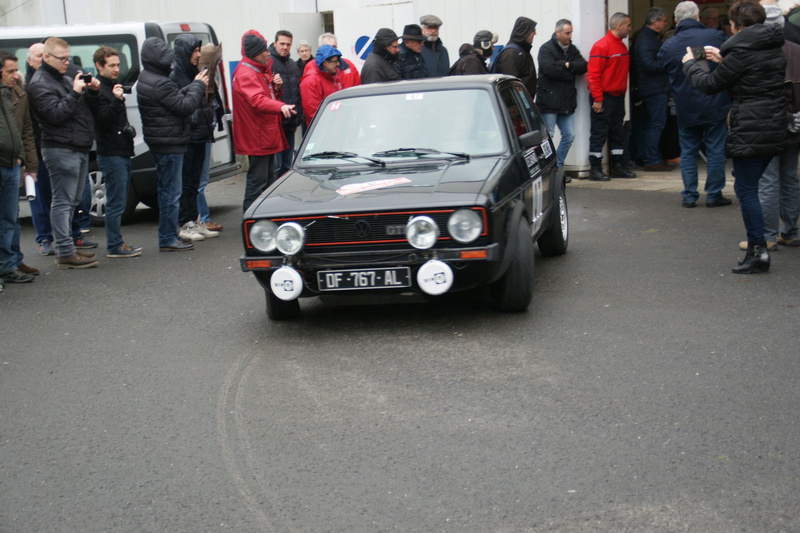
290	90
110	119
647	71
411	64
164	106
470	61
518	61
64	116
753	68
379	67
556	91
203	120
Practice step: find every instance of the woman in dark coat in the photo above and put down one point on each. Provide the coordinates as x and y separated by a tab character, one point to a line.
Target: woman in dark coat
751	66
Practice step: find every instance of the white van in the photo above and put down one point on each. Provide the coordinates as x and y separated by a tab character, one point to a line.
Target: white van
127	38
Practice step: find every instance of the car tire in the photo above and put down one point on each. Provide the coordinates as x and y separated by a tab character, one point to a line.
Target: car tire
555	239
97	209
278	309
514	291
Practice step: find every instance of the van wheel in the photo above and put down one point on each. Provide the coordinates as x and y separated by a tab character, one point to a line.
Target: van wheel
514	291
97	209
278	309
555	239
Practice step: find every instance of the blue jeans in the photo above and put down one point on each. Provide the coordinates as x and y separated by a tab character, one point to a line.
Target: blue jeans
84	219
656	106
40	208
168	169
283	160
747	172
779	194
712	138
9	218
202	205
566	125
117	174
68	170
191	171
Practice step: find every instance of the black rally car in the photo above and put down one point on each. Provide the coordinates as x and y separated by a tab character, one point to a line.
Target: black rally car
425	186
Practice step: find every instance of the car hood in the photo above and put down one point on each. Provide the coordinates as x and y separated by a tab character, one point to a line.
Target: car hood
423	184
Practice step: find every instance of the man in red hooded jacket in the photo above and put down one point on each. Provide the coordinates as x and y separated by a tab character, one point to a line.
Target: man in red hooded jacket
257	114
319	82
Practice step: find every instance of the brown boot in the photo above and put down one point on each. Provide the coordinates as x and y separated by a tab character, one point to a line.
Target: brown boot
76	261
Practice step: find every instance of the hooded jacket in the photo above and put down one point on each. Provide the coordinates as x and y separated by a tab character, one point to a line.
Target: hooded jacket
203	120
517	60
257	127
290	90
64	116
692	107
381	65
348	74
316	84
556	91
164	106
470	61
753	69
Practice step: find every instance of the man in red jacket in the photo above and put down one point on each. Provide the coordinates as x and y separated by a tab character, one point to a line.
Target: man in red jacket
321	81
607	76
257	114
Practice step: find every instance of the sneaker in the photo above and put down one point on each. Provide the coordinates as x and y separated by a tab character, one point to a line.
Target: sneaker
189	231
177	246
16	276
203	230
46	248
86	230
84	244
28	270
125	251
771	246
718	202
76	261
792	243
212	226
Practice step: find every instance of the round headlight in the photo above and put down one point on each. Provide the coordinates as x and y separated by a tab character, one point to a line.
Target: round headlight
262	235
290	238
422	232
465	225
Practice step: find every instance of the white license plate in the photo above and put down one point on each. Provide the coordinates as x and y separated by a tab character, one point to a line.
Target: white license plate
359	279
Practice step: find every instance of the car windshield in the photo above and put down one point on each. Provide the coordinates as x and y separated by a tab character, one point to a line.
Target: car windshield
460	123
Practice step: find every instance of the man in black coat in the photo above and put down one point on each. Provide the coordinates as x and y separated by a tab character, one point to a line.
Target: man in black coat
61	105
114	148
290	73
410	61
381	65
165	108
516	59
651	80
560	62
472	57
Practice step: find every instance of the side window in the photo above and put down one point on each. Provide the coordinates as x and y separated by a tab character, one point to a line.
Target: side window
532	117
203	37
514	112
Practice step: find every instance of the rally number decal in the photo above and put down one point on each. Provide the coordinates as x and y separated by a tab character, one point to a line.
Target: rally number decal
536	208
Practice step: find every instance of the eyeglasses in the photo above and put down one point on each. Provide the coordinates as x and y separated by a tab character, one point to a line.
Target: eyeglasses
64	59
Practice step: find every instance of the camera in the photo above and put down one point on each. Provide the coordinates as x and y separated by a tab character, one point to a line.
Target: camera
87	78
698	52
127	89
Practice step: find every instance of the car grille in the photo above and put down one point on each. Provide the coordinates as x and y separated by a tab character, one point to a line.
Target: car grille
365	231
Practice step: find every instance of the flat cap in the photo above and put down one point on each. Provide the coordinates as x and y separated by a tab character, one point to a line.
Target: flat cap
430	20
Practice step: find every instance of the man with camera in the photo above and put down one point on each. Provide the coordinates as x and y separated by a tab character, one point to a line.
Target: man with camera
114	148
61	104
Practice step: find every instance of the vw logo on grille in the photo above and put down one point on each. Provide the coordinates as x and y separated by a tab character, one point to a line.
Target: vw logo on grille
362	229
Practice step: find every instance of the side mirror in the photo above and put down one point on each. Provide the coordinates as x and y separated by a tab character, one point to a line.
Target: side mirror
531	139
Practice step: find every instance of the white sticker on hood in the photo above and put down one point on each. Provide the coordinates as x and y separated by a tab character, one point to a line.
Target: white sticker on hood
371	185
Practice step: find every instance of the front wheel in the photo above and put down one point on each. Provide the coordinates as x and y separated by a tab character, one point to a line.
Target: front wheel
278	309
514	291
555	238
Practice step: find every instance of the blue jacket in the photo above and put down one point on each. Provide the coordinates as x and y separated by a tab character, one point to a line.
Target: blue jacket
437	60
650	76
692	107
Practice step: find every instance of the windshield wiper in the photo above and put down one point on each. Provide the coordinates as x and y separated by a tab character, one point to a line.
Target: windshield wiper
417	152
342	155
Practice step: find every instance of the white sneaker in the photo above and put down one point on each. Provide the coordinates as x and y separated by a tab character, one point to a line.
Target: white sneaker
204	231
189	231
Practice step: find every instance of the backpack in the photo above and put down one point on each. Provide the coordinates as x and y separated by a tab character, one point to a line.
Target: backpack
513	46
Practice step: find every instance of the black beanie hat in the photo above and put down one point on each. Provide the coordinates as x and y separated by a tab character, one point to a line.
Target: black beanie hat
253	46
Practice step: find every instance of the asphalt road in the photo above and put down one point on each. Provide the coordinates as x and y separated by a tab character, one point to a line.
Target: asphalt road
647	389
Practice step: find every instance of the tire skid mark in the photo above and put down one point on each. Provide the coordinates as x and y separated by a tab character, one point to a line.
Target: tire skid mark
235	445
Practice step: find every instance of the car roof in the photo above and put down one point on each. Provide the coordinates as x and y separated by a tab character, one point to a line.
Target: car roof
481	81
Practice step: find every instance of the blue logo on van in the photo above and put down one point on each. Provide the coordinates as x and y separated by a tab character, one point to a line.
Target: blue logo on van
363	46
